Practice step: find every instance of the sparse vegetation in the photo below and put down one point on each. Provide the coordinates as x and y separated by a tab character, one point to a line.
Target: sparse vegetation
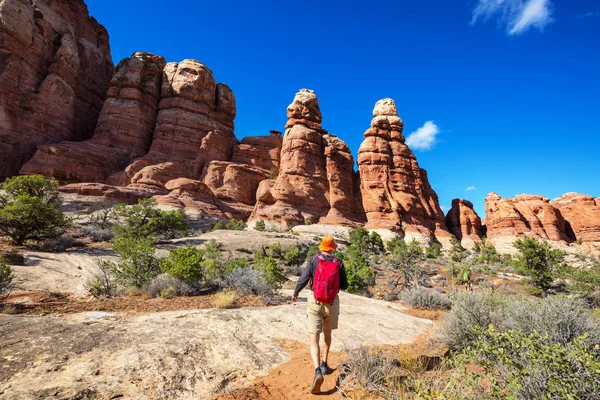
247	281
139	264
457	253
232	225
434	251
166	286
270	270
359	274
29	209
103	285
488	255
292	257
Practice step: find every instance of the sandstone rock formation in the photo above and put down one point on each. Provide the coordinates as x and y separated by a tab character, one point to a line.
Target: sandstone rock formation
124	130
582	216
55	68
525	215
464	223
194	126
396	194
308	187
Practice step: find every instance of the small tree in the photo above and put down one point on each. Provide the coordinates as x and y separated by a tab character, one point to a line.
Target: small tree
405	259
292	256
457	253
539	260
270	270
361	239
434	251
488	254
358	273
312	250
139	264
260	226
29	209
6	278
144	220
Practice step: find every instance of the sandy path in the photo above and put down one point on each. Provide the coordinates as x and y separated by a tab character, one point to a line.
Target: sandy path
178	354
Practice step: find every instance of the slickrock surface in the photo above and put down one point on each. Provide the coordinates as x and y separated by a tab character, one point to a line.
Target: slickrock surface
464	223
181	354
396	194
55	68
124	130
302	191
582	216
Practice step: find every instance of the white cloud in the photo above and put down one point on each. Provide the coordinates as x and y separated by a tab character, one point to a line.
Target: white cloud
517	15
470	189
423	138
445	209
588	15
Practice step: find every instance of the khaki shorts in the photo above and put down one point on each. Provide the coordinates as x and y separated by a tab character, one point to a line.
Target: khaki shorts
322	317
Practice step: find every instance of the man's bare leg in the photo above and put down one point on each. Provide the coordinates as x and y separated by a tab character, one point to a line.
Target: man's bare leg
315	351
327	337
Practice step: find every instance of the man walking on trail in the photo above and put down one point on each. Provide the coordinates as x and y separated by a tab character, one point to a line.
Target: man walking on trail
327	276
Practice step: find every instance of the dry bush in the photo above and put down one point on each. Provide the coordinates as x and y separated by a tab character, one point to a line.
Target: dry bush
425	299
165	286
224	299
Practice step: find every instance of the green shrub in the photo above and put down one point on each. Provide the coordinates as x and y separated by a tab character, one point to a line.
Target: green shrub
145	220
235	263
6	278
523	365
235	225
29	209
312	250
292	256
425	299
394	244
269	268
359	274
139	264
218	226
184	263
275	250
212	250
405	259
260	226
538	260
434	251
365	242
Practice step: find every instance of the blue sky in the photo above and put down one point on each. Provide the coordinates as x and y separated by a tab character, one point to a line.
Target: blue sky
504	93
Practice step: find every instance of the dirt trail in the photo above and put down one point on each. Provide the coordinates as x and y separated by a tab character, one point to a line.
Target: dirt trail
177	354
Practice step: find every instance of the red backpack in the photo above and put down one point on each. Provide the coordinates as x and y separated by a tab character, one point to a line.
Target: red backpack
327	280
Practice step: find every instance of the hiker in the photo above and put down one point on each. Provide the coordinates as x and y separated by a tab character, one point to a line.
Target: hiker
466	278
327	276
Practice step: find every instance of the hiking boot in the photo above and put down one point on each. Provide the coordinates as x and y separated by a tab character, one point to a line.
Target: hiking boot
317	382
325	368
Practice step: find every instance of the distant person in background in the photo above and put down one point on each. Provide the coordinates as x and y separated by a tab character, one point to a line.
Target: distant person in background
327	276
466	278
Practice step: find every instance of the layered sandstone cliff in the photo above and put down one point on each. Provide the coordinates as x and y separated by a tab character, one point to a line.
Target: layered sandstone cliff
525	215
55	69
396	194
315	181
124	130
582	216
464	223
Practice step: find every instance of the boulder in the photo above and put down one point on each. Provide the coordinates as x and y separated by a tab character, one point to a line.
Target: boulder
55	69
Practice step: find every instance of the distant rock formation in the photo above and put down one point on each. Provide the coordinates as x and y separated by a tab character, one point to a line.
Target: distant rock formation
124	130
582	216
464	223
55	68
315	179
396	194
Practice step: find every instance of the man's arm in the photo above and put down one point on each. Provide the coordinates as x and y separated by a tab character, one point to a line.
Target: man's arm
304	278
343	277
